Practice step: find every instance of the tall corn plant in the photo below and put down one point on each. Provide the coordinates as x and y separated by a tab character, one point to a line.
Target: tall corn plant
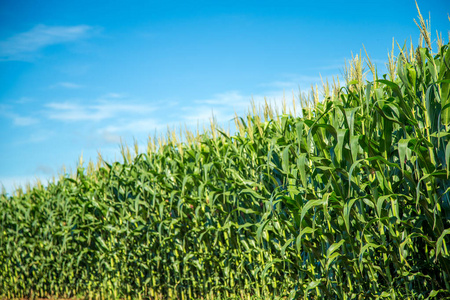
366	182
350	200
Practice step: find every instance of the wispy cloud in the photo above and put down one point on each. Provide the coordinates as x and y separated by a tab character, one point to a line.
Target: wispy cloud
24	121
109	137
136	126
66	85
40	135
23	45
113	95
70	111
18	120
229	98
203	114
292	81
117	132
23	100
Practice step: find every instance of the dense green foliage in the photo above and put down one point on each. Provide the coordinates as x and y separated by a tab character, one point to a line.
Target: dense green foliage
350	200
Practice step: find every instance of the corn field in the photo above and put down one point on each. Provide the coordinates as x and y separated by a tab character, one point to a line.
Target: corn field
347	199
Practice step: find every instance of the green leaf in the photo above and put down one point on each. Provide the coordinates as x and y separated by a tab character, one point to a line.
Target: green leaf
447	158
301	164
309	205
334	247
303	231
299	129
339	149
260	230
347	212
402	146
285	161
441	241
312	285
354	146
434	293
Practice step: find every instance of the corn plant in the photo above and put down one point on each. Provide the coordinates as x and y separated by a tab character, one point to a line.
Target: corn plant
348	200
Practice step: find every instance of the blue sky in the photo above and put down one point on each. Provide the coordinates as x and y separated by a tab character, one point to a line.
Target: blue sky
78	76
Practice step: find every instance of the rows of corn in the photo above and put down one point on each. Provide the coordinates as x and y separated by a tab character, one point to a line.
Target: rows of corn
349	199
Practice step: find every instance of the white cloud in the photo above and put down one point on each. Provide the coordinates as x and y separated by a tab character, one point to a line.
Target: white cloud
40	135
23	45
113	95
109	136
136	126
224	99
203	115
24	100
127	128
236	101
18	120
67	85
24	121
66	111
293	81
